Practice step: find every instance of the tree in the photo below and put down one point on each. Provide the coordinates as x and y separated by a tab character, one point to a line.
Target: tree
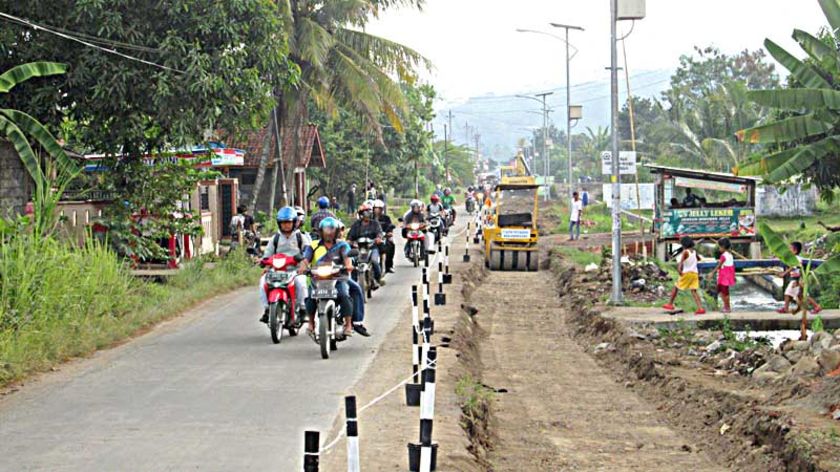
804	141
51	175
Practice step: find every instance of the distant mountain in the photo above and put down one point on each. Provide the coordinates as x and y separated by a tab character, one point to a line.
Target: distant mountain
502	120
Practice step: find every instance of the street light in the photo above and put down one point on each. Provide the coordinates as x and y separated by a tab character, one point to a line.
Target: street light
619	10
569	113
546	161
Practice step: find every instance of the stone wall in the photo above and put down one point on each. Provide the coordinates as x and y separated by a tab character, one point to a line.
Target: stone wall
794	200
15	183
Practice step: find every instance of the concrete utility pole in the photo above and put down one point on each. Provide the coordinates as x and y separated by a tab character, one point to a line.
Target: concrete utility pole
616	296
568	99
446	160
546	158
445	151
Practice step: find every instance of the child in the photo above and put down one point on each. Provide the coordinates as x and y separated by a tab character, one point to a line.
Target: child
689	277
725	273
794	289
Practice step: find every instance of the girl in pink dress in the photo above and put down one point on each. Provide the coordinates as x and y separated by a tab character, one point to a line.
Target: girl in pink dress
725	273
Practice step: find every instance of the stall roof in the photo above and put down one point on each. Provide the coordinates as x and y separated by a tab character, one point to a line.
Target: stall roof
305	151
720	176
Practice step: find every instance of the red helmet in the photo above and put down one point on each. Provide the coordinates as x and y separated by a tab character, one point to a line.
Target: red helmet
435	198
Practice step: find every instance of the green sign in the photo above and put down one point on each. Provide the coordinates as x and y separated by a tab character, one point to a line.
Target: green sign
715	222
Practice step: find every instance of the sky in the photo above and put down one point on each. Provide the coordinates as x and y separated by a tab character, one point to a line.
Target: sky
476	50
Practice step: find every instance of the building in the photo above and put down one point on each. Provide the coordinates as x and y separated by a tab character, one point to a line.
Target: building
16	185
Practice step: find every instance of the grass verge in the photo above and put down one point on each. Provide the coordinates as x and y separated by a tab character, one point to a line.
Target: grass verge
58	302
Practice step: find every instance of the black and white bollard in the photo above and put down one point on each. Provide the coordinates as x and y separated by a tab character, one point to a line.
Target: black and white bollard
412	389
352	434
311	453
440	297
447	277
467	243
422	457
427	310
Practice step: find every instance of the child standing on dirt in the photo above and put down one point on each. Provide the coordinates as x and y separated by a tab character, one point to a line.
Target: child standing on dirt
794	288
689	276
725	273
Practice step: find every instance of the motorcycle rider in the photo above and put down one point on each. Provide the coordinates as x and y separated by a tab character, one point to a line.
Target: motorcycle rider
414	215
355	293
301	217
291	242
387	248
326	248
323	212
448	202
437	207
367	227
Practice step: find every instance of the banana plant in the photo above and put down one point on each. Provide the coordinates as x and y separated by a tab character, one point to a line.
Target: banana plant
810	275
806	138
51	175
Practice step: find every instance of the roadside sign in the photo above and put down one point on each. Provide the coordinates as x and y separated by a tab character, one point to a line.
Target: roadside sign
626	163
628	196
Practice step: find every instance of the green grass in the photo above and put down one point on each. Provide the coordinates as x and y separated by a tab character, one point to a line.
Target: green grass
58	302
805	228
597	213
578	256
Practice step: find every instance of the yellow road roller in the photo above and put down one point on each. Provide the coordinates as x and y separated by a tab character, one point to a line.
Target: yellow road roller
510	235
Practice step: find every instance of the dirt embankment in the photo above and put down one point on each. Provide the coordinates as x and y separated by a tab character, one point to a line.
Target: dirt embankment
745	426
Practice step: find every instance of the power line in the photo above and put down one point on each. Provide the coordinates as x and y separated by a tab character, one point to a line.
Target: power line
70	37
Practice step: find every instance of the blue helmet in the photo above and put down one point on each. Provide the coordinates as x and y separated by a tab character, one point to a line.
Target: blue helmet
323	203
329	222
286	214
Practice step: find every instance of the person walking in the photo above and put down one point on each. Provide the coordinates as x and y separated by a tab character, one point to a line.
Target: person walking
575	215
351	199
689	276
725	273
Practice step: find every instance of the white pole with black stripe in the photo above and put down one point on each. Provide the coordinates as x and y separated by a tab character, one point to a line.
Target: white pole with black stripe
440	297
352	434
422	457
311	451
412	389
447	277
467	243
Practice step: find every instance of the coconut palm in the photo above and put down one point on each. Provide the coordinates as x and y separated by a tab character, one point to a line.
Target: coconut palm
342	66
51	176
806	137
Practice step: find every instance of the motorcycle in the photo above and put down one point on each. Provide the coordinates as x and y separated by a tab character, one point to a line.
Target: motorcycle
470	204
363	269
279	286
436	225
416	243
329	320
449	217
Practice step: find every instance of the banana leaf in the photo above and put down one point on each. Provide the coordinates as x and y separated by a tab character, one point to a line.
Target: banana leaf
24	72
788	129
831	9
829	268
804	158
761	164
11	131
804	73
797	98
32	128
817	49
777	245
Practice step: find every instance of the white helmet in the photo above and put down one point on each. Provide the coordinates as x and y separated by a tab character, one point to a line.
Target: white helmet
416	203
378	204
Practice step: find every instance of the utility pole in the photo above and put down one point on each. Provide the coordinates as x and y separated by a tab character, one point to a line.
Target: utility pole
568	100
445	151
546	159
446	158
616	296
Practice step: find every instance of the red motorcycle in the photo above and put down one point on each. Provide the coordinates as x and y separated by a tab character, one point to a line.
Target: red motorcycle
279	288
415	249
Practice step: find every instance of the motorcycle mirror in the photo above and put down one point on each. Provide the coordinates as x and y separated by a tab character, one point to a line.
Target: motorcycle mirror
353	253
299	257
400	219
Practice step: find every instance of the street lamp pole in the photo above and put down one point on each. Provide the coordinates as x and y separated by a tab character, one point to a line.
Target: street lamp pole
546	158
616	296
568	99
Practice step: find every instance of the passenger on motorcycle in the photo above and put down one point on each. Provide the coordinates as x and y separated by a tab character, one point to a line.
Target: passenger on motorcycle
329	248
388	248
356	294
301	217
437	207
323	212
291	242
448	202
367	227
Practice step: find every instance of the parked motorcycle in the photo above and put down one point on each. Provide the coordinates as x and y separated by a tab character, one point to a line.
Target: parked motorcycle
416	243
329	320
363	269
280	290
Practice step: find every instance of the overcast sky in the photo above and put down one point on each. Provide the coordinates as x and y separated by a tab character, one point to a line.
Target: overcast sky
476	50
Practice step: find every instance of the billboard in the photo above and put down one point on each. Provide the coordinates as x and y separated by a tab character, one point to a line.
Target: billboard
715	222
628	196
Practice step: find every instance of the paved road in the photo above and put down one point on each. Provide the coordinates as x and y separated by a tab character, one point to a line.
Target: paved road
207	391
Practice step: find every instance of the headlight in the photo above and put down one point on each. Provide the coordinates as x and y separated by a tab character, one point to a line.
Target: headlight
277	263
324	271
415	226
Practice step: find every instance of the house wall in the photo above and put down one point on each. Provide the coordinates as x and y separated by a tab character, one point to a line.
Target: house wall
15	184
76	219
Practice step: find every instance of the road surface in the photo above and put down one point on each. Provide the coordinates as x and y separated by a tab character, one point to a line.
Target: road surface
207	391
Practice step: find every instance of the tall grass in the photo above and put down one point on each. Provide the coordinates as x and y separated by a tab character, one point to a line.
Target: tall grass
58	301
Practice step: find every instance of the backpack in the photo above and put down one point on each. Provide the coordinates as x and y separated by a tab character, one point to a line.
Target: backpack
298	236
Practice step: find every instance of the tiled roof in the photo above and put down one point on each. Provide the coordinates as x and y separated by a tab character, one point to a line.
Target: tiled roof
306	152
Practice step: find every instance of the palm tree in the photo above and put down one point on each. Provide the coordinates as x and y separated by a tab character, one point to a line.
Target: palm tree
806	139
342	66
19	128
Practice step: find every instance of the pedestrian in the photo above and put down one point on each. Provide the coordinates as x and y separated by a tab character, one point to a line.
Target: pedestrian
351	199
725	273
576	213
794	287
689	277
584	197
334	204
